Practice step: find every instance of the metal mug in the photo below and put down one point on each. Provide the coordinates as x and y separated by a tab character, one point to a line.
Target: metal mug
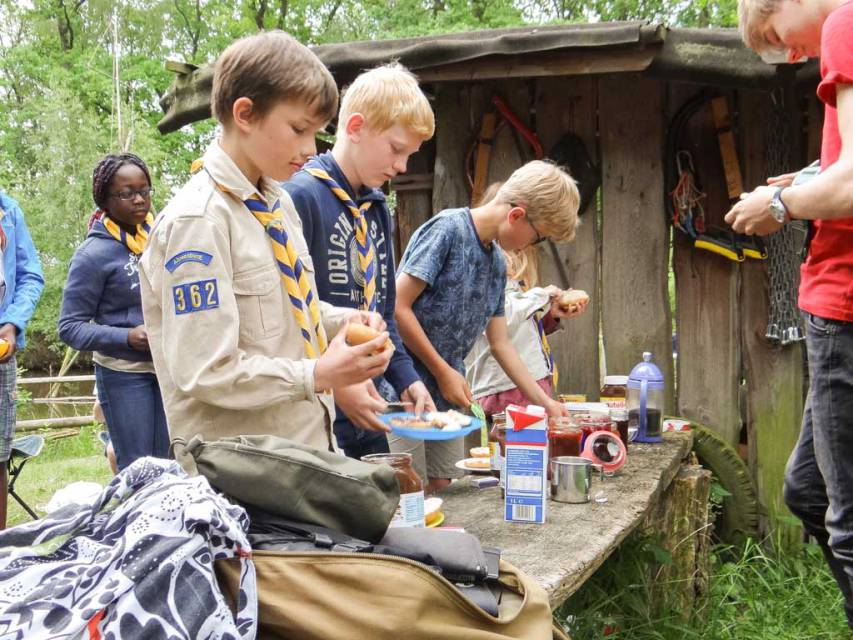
571	477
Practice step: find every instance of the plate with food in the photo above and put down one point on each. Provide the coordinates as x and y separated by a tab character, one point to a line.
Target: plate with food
475	465
434	425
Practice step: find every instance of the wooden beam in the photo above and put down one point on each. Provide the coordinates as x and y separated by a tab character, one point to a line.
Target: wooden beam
774	374
53	423
573	63
706	287
458	109
414	205
570	105
56	379
635	235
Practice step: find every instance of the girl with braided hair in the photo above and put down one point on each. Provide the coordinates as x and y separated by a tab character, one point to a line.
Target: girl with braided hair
102	308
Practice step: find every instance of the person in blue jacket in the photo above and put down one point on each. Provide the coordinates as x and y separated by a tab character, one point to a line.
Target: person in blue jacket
383	119
102	309
21	284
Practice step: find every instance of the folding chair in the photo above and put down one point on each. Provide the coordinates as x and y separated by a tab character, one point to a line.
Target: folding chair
23	449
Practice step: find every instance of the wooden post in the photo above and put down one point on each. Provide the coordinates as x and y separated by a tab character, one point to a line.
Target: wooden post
680	524
635	236
457	109
706	286
774	374
570	105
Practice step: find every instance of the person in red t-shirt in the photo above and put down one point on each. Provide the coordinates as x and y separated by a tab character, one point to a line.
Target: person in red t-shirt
819	476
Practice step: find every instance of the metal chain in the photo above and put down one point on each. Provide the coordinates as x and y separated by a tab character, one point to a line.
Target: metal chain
784	324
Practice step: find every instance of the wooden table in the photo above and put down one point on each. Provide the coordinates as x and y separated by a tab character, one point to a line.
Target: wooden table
576	538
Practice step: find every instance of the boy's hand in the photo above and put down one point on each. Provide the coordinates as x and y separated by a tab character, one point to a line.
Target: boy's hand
360	403
9	333
454	388
343	365
556	409
370	318
417	394
137	338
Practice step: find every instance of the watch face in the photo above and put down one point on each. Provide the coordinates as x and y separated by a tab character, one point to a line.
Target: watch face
777	209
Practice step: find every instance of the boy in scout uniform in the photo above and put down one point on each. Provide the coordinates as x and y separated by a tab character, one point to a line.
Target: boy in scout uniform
240	341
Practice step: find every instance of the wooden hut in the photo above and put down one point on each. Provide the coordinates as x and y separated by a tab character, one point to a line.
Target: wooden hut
617	86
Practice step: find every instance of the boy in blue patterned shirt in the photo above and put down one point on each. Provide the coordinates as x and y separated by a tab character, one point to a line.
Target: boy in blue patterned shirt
450	288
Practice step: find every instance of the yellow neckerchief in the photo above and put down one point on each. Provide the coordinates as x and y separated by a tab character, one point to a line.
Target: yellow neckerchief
136	242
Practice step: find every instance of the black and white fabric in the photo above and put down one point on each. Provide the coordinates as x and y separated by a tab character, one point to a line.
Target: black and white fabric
138	563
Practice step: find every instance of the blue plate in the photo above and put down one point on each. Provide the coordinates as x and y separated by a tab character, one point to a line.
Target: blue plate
427	434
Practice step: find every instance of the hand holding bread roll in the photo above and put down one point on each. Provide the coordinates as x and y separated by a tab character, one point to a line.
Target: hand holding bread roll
568	303
571	298
361	333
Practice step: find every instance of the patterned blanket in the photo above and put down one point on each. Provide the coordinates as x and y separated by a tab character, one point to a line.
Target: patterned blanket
138	563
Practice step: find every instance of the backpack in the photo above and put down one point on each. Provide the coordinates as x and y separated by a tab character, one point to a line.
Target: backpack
315	584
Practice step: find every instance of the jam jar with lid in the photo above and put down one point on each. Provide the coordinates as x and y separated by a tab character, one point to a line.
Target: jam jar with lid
564	437
613	391
410	511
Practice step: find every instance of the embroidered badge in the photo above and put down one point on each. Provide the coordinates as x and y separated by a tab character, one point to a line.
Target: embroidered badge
195	296
187	256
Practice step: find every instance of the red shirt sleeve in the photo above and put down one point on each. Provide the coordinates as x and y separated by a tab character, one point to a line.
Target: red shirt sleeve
836	53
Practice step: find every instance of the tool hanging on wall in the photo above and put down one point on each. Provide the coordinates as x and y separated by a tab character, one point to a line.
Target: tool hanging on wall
685	208
688	213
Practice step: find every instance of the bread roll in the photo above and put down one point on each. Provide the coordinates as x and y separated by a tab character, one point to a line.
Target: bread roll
572	297
361	333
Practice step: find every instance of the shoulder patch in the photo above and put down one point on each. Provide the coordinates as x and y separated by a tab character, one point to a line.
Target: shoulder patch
195	296
187	256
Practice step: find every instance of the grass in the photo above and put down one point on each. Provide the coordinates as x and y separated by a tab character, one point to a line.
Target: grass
754	595
61	462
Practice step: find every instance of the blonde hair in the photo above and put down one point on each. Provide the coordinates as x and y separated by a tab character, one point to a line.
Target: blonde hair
752	18
523	265
549	196
269	68
386	96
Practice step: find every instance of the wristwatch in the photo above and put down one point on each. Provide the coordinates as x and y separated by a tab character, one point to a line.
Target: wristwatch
777	208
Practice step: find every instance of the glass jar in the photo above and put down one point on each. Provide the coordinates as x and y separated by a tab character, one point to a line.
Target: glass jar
564	437
498	437
620	421
410	511
589	422
571	397
497	443
614	390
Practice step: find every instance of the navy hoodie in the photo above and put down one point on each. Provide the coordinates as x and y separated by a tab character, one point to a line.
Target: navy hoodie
101	301
328	228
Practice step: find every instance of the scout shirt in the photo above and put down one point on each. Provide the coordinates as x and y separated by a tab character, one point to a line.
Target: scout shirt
228	352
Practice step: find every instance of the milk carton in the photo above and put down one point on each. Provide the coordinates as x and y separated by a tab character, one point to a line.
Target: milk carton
526	465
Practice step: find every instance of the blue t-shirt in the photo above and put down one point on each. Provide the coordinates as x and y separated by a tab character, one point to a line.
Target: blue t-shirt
465	288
